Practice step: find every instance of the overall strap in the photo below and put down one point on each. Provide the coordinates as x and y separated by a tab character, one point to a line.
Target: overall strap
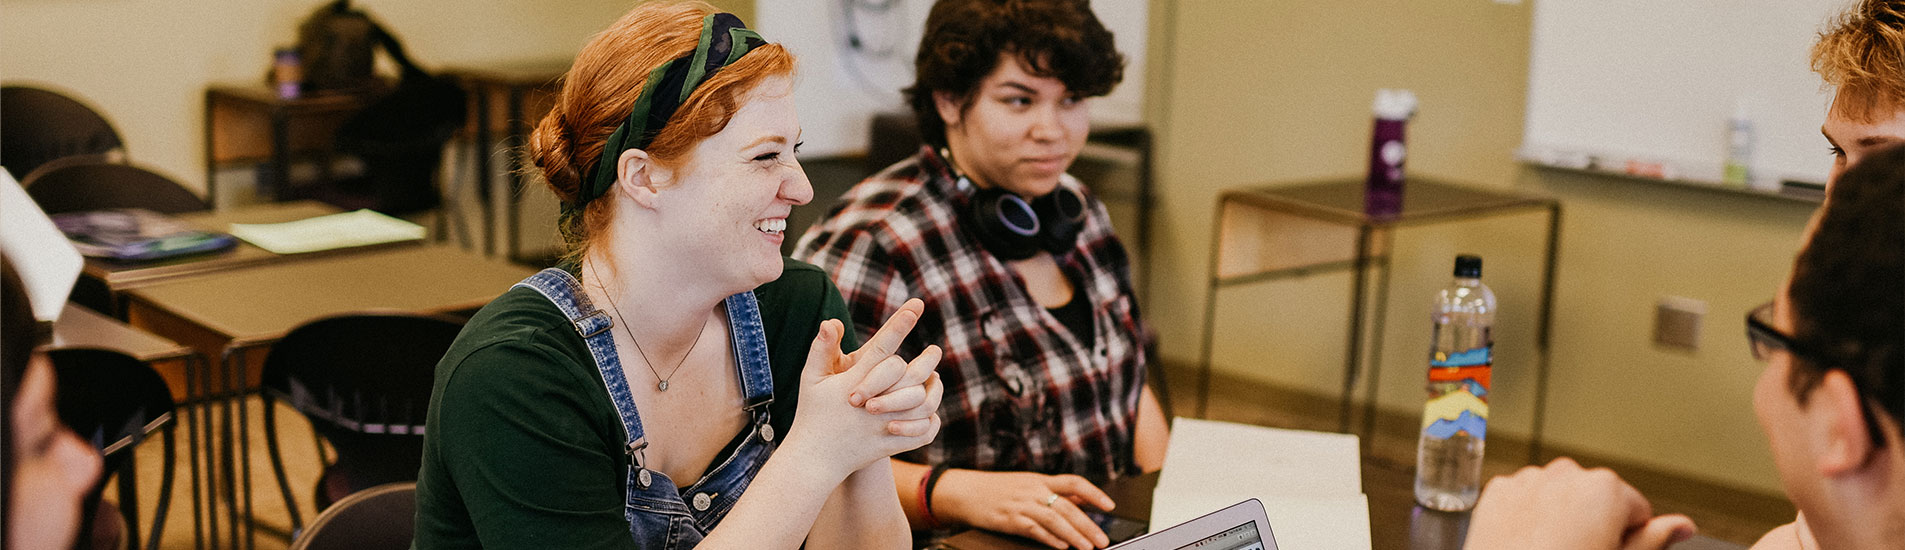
593	325
750	350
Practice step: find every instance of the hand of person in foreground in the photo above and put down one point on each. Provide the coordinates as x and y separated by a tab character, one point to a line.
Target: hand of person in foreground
1041	507
1563	506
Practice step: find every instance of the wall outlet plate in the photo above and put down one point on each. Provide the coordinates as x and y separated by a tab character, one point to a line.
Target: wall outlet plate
1677	322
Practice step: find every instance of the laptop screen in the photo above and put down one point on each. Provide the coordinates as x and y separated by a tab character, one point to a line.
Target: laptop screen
1241	537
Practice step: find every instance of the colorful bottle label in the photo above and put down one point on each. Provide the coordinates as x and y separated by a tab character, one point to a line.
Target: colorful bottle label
1458	394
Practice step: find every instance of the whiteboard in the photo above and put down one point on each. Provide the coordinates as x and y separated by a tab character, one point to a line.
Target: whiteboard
855	56
1660	79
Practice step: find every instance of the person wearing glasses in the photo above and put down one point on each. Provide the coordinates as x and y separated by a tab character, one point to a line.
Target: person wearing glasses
1025	284
1830	398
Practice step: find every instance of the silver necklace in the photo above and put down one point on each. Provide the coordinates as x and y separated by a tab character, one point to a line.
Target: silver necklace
662	383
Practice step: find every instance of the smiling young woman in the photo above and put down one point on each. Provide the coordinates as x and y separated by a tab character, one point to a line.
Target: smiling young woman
674	383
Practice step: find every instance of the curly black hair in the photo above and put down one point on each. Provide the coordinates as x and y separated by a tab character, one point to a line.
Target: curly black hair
1848	288
964	39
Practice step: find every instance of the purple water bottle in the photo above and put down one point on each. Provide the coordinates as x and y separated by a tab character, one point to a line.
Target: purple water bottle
1382	195
287	73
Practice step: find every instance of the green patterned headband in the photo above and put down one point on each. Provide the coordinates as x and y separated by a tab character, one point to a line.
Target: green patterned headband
724	39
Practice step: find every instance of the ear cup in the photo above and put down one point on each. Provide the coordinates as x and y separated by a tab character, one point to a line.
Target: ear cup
1062	213
1004	223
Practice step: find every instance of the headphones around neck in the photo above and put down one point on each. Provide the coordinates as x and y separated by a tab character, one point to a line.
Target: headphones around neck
1014	229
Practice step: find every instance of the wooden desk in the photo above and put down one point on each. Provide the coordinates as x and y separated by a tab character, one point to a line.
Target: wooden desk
249	123
82	328
1271	232
1395	522
507	97
102	281
236	315
251	308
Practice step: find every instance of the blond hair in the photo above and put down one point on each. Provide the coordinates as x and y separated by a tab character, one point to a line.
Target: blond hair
1863	55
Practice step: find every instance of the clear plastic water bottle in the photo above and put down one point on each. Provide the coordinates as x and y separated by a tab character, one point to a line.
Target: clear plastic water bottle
1455	420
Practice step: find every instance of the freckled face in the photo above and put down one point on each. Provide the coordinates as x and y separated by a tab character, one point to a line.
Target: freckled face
728	210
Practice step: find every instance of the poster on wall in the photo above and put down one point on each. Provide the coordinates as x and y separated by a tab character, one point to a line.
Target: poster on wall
856	55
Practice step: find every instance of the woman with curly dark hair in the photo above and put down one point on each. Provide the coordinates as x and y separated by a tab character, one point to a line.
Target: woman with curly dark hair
1025	285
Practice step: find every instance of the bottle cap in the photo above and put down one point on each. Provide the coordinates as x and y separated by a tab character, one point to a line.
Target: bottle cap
1468	267
1394	104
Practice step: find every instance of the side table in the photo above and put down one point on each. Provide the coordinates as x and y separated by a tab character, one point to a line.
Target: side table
1251	244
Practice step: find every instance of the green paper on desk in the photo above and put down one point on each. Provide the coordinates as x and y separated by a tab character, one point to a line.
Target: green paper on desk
341	230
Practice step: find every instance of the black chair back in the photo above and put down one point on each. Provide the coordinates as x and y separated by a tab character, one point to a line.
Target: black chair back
42	125
99	186
117	401
379	518
363	381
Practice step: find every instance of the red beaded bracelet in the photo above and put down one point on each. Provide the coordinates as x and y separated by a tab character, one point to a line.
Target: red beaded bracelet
926	496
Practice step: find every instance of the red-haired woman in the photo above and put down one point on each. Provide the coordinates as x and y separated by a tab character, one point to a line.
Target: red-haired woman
675	383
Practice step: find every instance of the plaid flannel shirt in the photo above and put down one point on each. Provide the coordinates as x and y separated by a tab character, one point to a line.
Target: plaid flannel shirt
1022	393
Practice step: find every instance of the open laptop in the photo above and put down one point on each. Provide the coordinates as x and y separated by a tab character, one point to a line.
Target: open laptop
1241	526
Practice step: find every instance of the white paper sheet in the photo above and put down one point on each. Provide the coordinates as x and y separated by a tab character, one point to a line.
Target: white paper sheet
47	263
1206	453
1310	482
342	230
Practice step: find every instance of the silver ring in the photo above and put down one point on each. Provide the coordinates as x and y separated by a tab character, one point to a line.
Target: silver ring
1051	498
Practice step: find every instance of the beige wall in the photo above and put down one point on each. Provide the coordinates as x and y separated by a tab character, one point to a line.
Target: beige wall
1284	96
1244	92
145	63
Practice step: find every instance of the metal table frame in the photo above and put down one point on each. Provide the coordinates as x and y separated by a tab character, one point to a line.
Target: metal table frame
1338	202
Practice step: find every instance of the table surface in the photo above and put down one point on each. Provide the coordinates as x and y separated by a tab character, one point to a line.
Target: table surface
122	275
82	328
1423	200
1395	523
261	304
262	94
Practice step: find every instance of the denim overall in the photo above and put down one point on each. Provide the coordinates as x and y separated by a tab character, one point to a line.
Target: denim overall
660	516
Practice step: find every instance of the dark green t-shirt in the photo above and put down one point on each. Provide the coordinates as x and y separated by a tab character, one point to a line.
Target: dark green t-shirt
524	448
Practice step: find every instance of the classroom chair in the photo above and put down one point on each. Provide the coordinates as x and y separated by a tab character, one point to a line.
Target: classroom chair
42	125
72	186
363	381
117	402
378	518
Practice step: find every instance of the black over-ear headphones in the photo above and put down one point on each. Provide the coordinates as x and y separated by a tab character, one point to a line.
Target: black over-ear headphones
1014	229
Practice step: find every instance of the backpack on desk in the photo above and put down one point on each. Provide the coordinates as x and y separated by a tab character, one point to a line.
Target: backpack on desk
399	135
336	44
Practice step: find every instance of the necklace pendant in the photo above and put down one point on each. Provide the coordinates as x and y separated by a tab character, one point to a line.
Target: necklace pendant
663	385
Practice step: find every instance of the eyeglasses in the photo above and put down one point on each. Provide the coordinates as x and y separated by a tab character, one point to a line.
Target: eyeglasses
1765	339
